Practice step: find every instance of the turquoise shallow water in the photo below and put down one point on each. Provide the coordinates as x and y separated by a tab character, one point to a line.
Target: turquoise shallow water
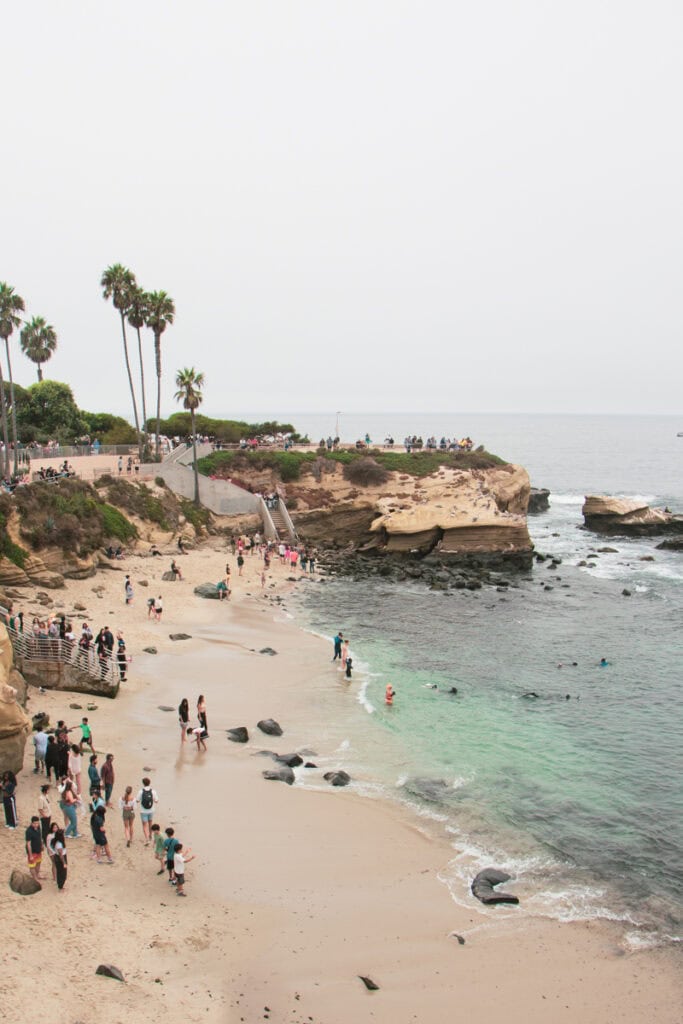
581	799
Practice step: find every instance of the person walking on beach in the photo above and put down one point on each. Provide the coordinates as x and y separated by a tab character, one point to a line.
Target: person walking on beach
338	645
180	859
349	666
183	718
51	758
107	777
40	749
344	653
159	852
158	608
240	563
86	735
75	763
147	798
120	465
151	608
128	589
99	835
9	800
127	805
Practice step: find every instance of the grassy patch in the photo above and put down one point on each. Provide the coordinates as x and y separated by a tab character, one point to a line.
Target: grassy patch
8	548
198	516
116	525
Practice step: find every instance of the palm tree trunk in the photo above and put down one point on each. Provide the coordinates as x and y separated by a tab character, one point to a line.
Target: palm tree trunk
157	356
40	372
3	416
144	400
14	408
194	459
130	378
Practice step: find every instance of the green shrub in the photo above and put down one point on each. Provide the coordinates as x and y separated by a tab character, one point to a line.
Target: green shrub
197	515
116	525
8	548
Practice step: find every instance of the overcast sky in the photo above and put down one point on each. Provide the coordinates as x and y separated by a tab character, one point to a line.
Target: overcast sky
355	204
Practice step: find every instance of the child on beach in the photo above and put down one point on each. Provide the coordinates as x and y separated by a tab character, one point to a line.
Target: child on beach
86	735
180	859
158	848
349	666
169	844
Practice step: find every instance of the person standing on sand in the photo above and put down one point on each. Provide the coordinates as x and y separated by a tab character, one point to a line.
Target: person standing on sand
128	588
60	858
44	811
49	841
158	608
183	718
86	735
147	798
121	658
34	847
151	608
240	563
159	853
180	859
344	653
99	835
127	805
107	776
338	645
75	765
201	714
9	800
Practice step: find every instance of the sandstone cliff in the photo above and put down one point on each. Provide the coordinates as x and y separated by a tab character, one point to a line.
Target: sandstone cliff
607	515
15	724
459	513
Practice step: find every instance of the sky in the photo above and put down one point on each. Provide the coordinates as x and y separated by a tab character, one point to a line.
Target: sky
363	205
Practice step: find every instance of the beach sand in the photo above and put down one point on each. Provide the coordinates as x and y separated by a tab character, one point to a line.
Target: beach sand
295	891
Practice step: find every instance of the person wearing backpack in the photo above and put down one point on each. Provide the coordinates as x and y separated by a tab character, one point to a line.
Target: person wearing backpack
147	798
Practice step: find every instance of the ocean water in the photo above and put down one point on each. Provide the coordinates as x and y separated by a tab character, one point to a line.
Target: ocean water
580	799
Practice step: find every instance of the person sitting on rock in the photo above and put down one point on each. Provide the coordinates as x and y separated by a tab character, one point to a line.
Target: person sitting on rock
175	570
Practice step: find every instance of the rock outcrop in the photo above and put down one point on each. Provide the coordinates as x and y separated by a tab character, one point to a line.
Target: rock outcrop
607	515
15	725
539	500
459	514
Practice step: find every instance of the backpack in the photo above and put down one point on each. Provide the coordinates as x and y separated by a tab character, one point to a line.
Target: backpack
147	799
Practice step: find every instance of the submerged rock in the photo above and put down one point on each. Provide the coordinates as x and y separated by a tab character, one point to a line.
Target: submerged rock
280	775
240	734
291	760
338	778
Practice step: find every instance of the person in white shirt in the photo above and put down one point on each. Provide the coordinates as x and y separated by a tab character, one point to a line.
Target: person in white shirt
180	859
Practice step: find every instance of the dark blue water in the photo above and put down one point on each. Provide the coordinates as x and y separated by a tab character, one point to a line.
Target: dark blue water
581	799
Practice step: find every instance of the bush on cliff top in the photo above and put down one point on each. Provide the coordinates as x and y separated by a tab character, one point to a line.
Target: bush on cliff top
289	465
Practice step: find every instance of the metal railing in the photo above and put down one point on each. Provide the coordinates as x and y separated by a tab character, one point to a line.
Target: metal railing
30	647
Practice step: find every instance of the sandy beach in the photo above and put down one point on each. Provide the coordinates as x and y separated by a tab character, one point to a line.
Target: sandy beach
294	891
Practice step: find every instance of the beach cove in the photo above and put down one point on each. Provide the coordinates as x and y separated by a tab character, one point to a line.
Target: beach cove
295	891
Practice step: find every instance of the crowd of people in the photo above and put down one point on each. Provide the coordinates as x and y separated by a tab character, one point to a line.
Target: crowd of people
70	793
54	637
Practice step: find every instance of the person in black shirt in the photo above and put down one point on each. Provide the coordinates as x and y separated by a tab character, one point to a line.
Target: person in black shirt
34	847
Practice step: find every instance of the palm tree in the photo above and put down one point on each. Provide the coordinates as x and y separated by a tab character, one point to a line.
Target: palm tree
38	341
160	313
190	384
117	284
11	305
137	318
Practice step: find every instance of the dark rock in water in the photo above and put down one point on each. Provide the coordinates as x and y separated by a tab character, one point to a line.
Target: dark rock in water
23	883
109	971
608	551
646	558
547	587
209	590
267	650
369	983
291	760
169	577
179	636
483	887
538	500
339	778
150	650
76	707
309	764
165	707
625	592
239	735
269	726
673	544
434	790
280	775
531	693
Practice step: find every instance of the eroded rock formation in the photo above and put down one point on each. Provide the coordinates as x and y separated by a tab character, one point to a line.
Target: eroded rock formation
15	725
607	515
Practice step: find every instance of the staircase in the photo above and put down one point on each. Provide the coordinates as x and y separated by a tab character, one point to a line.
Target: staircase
279	517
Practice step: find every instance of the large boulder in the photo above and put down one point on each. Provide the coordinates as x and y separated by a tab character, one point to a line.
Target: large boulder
338	778
484	883
23	883
240	734
209	590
